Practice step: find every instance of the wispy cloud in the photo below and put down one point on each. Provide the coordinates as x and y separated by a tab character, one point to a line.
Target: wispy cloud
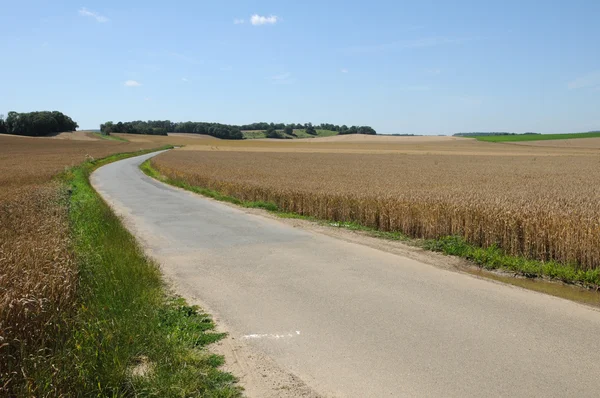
84	12
132	83
344	70
185	79
263	20
282	78
591	80
237	21
404	44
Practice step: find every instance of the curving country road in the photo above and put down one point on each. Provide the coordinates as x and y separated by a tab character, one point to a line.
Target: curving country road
350	320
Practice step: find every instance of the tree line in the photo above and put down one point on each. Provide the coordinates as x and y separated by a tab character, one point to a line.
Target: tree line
226	131
36	124
162	127
310	129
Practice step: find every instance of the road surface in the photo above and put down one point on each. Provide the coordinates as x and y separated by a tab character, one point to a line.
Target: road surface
353	321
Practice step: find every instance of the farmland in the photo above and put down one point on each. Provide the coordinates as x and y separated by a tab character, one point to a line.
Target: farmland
531	200
61	254
536	203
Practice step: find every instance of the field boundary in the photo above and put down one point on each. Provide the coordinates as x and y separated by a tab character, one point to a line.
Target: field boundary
490	259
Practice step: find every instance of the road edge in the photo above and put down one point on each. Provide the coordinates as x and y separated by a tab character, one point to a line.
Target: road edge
258	374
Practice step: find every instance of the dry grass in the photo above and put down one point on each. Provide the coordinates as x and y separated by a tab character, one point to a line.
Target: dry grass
539	203
38	277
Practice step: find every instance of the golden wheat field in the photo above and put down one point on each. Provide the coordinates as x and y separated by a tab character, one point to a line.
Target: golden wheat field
537	202
38	277
532	200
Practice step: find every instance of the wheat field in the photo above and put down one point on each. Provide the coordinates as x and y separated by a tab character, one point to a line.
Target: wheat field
38	275
536	202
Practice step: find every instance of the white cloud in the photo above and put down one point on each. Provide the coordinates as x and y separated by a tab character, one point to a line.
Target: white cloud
344	70
185	79
591	80
262	20
132	83
237	21
84	12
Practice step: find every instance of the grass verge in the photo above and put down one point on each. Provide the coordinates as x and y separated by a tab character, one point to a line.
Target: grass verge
130	336
490	258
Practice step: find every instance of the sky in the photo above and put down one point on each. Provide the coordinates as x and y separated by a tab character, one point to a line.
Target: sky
421	67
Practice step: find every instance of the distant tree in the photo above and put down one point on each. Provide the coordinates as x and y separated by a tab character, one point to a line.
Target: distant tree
106	128
289	129
3	129
310	129
272	133
38	123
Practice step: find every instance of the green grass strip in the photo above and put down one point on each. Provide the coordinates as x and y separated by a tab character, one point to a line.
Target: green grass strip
109	137
536	137
131	337
491	258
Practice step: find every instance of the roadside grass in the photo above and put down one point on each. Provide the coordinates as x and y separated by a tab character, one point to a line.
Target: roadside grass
147	168
493	258
536	137
490	258
131	337
109	137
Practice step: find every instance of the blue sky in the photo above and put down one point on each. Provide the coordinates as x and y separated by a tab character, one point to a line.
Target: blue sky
426	67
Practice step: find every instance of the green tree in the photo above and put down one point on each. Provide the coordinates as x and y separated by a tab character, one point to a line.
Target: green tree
272	133
3	129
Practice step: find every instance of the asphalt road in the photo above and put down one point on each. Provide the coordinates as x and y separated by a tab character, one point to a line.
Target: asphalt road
353	321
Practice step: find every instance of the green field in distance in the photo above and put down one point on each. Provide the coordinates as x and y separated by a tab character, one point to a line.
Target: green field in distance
536	137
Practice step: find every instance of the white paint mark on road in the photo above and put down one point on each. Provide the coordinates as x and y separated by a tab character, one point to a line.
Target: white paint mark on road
273	336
